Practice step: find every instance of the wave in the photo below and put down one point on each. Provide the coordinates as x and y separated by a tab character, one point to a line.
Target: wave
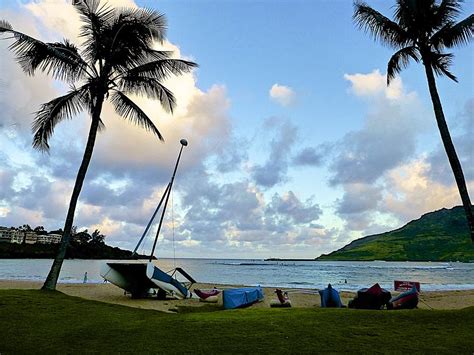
300	283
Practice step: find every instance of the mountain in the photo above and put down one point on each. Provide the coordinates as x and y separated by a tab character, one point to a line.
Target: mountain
437	236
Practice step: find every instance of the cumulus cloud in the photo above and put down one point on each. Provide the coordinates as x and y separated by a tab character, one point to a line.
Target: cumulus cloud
462	134
237	214
375	84
282	94
379	167
274	170
388	137
410	192
309	156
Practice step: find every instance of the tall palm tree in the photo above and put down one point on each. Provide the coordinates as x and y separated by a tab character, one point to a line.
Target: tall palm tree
117	59
422	30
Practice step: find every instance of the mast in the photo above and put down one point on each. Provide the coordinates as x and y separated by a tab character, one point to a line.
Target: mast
184	143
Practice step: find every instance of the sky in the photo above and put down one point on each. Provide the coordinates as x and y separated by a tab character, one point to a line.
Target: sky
296	144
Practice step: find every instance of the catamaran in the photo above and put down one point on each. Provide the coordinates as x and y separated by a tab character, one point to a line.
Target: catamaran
142	279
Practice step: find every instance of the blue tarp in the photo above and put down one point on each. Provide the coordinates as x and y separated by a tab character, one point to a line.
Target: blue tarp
241	297
330	297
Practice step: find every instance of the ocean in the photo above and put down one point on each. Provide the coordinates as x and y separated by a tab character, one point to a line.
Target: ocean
345	275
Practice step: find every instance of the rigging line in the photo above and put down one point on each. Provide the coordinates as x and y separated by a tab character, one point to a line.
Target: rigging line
172	225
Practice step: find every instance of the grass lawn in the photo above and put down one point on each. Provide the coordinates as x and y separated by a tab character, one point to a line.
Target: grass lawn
43	322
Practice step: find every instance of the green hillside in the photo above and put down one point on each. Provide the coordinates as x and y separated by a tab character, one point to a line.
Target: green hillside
74	251
437	236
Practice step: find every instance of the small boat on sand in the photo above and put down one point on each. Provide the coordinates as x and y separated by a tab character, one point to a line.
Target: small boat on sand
143	278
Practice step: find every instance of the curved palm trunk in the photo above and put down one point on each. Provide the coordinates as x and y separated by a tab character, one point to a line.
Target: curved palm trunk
449	147
52	279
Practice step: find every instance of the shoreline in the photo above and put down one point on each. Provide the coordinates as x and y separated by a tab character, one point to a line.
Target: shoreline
300	298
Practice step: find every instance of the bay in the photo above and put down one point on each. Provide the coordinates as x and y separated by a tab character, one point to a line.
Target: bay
344	275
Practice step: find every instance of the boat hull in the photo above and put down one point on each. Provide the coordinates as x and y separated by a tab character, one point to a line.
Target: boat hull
141	279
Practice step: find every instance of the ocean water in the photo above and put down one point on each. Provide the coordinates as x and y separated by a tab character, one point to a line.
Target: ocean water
344	275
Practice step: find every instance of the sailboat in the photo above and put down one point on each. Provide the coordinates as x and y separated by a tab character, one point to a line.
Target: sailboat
142	279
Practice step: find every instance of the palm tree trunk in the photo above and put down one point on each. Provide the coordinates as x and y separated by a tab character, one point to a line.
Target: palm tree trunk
449	147
52	279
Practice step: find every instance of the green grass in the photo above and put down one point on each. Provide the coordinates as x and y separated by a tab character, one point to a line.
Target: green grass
50	322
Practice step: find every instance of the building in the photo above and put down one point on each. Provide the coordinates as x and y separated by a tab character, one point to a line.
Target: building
18	237
48	239
30	237
6	234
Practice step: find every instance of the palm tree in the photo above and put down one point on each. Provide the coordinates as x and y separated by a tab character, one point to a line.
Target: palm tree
117	59
421	31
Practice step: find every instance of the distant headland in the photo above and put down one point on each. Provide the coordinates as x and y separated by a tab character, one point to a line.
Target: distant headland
25	242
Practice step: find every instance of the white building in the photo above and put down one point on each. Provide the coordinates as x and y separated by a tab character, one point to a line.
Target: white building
6	234
18	237
30	237
49	239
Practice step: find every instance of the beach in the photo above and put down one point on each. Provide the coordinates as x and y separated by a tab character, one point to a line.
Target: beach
106	292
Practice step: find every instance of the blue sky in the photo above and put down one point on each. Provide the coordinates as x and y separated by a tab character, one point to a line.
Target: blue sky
326	156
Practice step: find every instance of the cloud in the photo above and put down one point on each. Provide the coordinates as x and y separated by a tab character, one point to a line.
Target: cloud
283	95
462	134
375	84
410	192
274	170
387	138
309	156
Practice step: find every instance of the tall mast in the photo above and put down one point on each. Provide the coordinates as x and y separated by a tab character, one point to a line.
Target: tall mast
184	143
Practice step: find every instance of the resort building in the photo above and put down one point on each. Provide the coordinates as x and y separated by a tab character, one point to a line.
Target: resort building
12	235
49	239
6	234
18	237
30	237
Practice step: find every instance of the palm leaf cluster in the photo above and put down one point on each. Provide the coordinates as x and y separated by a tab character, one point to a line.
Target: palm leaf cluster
116	59
422	30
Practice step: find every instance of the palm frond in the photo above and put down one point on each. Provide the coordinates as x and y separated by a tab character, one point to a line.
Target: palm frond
452	34
441	63
96	18
446	12
5	26
162	69
415	16
143	21
150	87
61	60
132	34
380	27
55	111
400	60
126	108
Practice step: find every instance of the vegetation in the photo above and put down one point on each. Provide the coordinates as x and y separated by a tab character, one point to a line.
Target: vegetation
76	250
117	60
436	236
51	322
422	30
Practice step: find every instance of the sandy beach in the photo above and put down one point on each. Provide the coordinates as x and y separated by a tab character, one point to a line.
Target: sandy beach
300	298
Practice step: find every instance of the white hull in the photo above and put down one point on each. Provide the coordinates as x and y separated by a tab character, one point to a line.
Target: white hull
137	279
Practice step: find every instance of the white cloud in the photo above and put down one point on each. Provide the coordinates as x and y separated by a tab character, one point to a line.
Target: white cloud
375	84
410	192
283	95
